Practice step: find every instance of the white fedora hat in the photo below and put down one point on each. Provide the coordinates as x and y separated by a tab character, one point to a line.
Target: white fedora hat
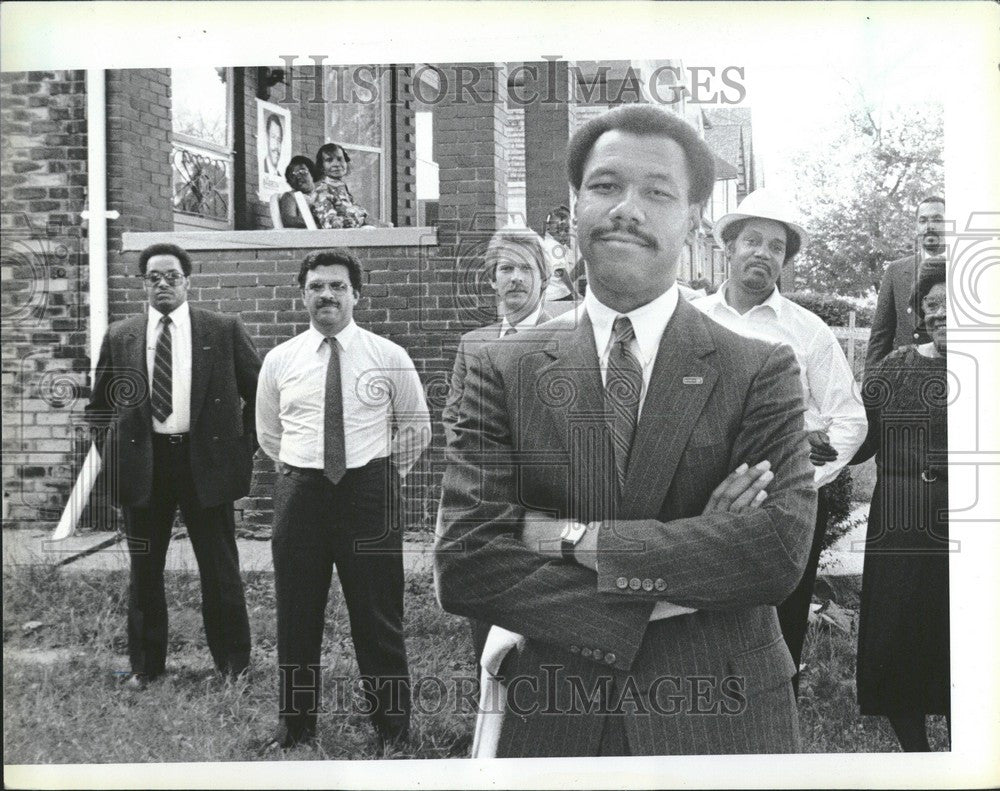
767	205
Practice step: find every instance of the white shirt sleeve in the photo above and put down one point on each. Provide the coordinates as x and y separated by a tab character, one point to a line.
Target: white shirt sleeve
837	398
267	409
410	415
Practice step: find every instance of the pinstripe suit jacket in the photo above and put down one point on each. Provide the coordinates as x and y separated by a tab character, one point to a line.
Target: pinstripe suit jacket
531	435
470	344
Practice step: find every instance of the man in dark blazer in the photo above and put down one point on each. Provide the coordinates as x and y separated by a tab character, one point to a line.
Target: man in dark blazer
515	259
648	617
172	404
894	323
519	275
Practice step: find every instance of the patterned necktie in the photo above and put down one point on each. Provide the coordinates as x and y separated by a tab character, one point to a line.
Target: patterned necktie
162	396
334	454
622	391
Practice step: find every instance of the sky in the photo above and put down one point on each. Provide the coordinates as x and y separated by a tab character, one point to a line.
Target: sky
798	96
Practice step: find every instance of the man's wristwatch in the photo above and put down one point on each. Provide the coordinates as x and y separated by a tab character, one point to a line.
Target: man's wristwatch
571	535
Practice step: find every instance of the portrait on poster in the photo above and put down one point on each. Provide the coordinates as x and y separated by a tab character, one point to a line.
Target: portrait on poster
274	148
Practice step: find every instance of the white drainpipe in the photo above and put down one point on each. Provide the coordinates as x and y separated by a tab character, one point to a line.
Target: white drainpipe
97	216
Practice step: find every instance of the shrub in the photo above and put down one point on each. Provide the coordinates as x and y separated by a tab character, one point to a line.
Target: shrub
832	309
839	493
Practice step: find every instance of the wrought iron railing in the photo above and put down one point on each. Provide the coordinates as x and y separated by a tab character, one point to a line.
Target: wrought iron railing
202	184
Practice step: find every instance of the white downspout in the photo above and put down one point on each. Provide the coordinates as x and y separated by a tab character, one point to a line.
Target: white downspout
97	216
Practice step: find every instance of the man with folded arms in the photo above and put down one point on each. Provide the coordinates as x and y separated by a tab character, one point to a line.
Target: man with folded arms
579	507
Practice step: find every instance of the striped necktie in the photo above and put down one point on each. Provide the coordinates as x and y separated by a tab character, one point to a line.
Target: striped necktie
622	392
334	453
162	396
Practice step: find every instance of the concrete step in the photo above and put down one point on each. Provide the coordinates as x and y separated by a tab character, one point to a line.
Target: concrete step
101	551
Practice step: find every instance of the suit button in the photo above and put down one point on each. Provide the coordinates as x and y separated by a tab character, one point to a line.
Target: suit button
660	584
610	658
132	441
574	649
598	654
621	582
909	310
218	400
586	652
215	439
635	583
647	585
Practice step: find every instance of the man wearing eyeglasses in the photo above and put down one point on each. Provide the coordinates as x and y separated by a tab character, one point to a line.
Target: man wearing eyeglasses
341	411
172	406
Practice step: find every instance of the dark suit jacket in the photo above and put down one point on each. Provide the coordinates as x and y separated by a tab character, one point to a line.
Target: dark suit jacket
531	435
894	323
470	344
224	368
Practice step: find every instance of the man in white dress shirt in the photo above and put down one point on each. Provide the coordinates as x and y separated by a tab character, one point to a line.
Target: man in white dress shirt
342	412
759	238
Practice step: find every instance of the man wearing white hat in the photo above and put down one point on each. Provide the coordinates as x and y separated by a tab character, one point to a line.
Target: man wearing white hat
759	238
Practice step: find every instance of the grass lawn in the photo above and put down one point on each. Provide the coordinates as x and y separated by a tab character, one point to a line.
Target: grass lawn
65	656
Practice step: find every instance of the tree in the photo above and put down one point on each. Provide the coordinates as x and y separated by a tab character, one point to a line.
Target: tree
859	196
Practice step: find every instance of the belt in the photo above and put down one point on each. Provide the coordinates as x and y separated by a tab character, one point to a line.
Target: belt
171	439
318	471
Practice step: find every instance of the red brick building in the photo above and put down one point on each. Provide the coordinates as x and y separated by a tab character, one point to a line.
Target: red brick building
180	154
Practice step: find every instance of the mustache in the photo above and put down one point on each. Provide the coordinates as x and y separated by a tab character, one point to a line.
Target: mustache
602	230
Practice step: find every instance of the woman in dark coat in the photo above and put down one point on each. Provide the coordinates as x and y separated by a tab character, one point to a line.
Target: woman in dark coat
903	642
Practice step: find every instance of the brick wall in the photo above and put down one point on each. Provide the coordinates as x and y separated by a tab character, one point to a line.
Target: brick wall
404	144
547	131
43	167
139	146
420	297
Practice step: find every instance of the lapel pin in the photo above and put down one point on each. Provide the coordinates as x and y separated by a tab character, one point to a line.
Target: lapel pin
693	380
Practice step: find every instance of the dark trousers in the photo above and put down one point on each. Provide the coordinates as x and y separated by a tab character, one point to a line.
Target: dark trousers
213	538
793	612
354	525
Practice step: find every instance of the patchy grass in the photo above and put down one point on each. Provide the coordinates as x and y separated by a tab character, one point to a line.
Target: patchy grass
828	709
64	702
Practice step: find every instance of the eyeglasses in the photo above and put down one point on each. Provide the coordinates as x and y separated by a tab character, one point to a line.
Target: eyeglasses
155	278
337	288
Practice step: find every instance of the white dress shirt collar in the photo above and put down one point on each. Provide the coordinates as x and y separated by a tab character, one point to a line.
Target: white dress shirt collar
179	316
774	301
528	321
649	321
345	337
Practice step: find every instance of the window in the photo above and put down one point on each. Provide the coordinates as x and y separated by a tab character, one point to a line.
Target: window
202	153
357	119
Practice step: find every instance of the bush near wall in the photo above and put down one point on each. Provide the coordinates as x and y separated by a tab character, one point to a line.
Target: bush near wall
833	309
839	493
